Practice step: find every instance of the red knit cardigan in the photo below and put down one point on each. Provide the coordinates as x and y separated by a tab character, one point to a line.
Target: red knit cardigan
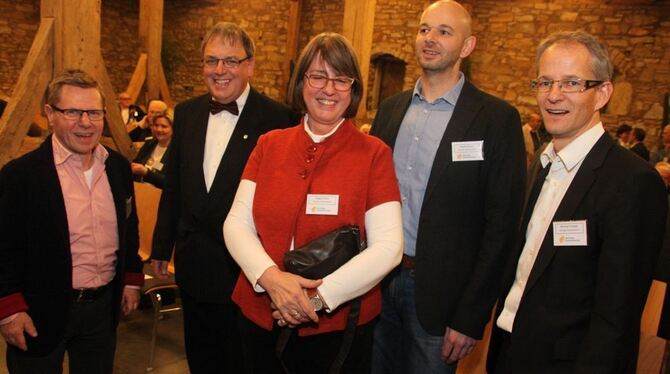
286	165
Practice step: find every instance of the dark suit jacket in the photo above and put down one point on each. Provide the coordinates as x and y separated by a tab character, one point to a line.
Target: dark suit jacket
470	210
581	308
35	258
641	150
139	134
155	177
189	218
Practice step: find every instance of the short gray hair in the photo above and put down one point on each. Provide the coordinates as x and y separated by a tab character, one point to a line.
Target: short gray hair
231	33
600	59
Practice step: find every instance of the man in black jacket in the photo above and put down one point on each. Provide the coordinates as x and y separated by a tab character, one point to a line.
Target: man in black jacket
213	137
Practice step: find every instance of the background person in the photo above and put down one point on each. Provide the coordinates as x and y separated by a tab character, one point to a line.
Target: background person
142	129
150	163
348	178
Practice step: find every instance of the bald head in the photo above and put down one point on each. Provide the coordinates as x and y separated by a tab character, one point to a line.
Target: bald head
456	12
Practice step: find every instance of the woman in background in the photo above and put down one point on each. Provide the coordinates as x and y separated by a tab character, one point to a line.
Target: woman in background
149	164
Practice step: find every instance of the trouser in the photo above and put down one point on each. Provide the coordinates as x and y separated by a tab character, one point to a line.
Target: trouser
90	341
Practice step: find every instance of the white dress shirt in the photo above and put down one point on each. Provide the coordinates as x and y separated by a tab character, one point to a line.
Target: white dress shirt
220	128
564	167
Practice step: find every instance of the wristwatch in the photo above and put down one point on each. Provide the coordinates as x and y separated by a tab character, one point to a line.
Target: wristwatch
315	299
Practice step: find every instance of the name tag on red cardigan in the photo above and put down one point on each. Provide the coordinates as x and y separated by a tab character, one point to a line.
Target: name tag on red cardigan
321	204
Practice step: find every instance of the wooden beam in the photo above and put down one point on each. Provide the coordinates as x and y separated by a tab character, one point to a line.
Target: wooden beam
359	18
292	40
165	89
137	80
27	95
152	13
77	37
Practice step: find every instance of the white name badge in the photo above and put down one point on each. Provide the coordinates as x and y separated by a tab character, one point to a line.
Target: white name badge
569	233
322	204
467	151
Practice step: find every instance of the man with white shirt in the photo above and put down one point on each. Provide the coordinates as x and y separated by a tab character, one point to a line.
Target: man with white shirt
213	137
574	291
68	240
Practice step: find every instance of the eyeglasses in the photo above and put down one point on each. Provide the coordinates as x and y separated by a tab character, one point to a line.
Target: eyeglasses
564	85
229	62
319	81
74	114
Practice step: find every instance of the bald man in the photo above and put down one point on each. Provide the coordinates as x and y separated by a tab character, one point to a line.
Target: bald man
460	161
143	128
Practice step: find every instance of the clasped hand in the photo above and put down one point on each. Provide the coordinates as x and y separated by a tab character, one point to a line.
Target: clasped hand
287	291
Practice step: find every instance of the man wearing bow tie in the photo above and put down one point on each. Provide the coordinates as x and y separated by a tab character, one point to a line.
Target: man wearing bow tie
213	137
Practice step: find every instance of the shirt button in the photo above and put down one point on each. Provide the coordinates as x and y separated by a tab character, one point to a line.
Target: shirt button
309	159
425	111
416	138
311	148
409	168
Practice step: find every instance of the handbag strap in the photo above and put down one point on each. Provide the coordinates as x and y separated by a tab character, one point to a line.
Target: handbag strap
345	347
348	337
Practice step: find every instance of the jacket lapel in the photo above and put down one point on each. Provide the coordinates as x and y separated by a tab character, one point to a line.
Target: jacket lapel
395	118
574	196
116	184
465	111
244	132
195	147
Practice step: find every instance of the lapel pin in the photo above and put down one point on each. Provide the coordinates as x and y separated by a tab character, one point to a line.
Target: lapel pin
245	136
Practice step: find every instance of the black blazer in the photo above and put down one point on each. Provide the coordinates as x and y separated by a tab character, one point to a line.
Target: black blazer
155	177
470	210
189	218
35	258
581	308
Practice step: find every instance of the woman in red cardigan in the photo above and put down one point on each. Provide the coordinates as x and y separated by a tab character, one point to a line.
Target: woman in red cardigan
300	184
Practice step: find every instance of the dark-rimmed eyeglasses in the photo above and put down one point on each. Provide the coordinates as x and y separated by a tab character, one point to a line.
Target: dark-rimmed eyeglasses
564	85
229	62
319	81
75	114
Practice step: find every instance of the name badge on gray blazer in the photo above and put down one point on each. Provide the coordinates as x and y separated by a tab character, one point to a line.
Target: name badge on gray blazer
467	151
129	206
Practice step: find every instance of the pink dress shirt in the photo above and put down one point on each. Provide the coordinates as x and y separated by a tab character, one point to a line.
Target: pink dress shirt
91	217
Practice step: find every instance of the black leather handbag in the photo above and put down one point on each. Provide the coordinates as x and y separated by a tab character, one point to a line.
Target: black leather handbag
326	254
315	260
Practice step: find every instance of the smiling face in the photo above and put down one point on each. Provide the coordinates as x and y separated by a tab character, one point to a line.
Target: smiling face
444	37
226	84
325	106
568	115
161	129
82	135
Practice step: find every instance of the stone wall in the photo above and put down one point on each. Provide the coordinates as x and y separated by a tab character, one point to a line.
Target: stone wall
18	26
636	31
186	22
319	16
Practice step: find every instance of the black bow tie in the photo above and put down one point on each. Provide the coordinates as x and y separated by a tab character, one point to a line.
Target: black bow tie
216	107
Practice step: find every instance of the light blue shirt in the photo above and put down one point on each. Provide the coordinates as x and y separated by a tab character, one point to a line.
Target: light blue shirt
419	137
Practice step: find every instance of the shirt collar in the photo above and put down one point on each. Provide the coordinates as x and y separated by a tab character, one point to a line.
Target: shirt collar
319	138
450	96
576	150
62	154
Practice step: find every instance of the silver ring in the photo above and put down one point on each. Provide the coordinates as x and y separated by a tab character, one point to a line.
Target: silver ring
281	322
295	314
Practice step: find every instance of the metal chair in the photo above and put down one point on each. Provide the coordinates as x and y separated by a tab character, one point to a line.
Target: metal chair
152	288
